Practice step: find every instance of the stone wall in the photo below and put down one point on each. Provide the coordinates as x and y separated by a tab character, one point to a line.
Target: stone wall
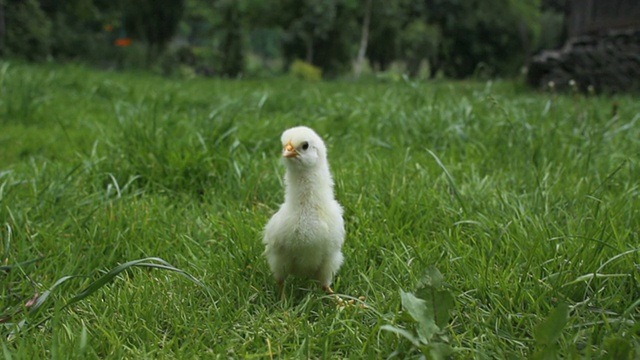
608	62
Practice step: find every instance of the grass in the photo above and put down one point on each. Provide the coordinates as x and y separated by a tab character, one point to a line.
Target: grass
525	202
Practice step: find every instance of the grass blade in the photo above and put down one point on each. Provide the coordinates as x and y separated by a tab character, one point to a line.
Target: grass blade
45	295
106	278
6	352
452	182
19	265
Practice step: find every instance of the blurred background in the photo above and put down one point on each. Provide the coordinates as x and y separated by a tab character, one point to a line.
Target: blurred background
588	44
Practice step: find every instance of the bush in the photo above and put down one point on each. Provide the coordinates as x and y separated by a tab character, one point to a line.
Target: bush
552	30
305	71
419	41
28	30
73	39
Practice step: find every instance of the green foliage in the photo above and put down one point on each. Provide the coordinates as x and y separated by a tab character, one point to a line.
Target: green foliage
16	321
438	300
76	32
622	349
305	71
199	21
548	332
28	30
387	19
419	42
312	20
68	42
233	60
459	38
154	21
527	15
429	308
523	201
319	32
487	36
219	32
456	38
551	30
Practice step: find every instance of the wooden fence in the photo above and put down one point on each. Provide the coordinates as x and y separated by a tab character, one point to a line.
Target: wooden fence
586	17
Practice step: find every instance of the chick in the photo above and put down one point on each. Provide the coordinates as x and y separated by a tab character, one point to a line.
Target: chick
305	237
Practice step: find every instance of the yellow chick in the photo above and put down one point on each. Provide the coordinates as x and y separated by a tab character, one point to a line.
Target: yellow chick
305	237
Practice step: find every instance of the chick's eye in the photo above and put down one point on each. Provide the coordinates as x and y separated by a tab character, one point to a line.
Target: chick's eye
305	145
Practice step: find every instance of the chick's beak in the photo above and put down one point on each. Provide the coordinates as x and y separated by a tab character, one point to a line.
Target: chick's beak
289	150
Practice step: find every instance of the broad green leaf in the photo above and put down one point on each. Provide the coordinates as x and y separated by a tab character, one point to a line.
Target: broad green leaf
438	301
402	332
438	304
432	277
549	330
618	349
422	314
546	353
437	351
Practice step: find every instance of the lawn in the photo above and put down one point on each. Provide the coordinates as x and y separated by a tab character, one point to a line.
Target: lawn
526	203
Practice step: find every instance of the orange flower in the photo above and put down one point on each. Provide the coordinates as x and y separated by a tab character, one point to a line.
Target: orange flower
123	42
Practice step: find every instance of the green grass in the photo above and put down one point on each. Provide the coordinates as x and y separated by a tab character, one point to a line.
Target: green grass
523	201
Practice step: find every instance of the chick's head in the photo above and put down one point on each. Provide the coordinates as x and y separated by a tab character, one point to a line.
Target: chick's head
302	148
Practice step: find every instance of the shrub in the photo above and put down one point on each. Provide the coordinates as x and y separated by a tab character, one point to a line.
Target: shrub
419	41
28	30
305	71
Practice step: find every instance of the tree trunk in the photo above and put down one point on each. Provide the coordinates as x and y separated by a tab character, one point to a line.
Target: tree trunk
150	52
525	40
364	39
434	66
309	54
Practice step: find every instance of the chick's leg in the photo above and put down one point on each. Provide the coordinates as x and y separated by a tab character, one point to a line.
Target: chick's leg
337	298
326	286
279	268
328	267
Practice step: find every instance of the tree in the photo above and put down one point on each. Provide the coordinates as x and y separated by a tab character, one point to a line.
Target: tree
155	21
28	30
233	61
312	22
3	30
483	34
75	24
420	41
305	22
334	53
199	21
387	18
320	32
364	38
